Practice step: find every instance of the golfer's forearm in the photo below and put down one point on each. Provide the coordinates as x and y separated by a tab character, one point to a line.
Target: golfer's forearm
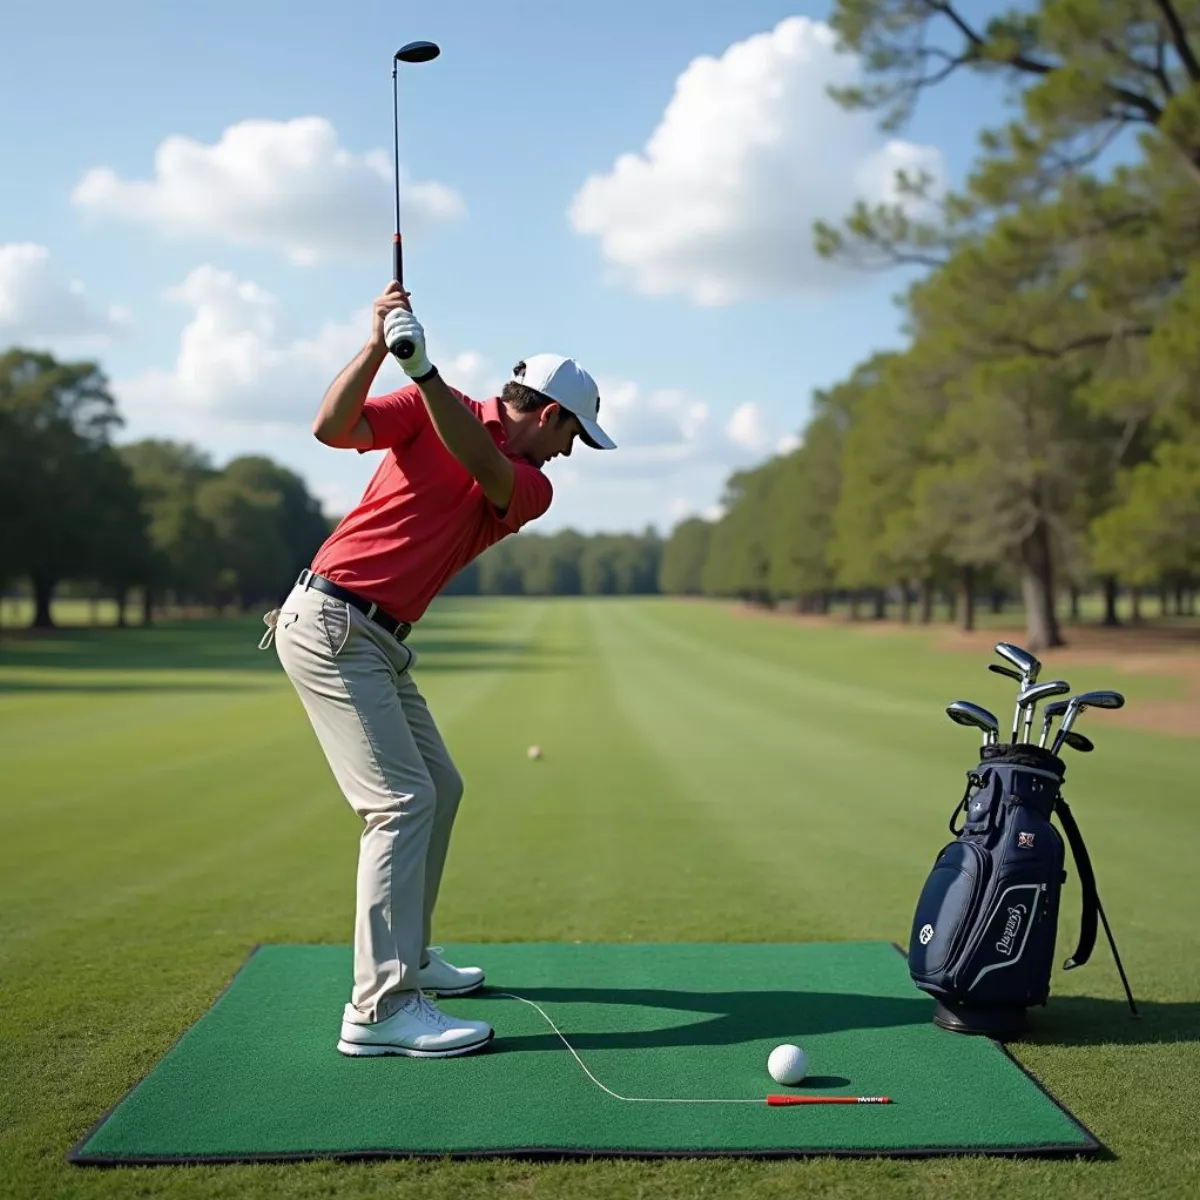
462	433
343	402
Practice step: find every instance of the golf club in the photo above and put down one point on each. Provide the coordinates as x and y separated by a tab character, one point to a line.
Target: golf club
1005	671
1078	741
1048	714
1028	666
412	52
1028	697
963	712
1077	704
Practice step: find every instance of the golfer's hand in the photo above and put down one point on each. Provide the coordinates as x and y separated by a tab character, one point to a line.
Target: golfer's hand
392	297
400	326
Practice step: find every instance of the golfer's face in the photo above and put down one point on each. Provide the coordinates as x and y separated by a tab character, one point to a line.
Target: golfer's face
556	434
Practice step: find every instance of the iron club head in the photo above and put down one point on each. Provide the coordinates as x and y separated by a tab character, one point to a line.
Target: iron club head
1028	697
963	712
1056	709
1077	704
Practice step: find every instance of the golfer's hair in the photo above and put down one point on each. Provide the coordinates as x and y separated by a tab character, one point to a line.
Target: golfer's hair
526	399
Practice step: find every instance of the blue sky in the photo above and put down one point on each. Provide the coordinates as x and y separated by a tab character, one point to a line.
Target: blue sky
222	284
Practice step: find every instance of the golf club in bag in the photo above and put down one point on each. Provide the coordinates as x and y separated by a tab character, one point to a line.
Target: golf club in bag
984	931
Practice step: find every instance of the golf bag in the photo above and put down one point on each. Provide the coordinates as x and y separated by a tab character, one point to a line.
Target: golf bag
983	935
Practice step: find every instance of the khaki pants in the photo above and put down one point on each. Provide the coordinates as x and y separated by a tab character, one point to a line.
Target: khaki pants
387	756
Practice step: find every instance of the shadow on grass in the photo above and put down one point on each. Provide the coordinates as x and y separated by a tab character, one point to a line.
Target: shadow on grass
228	645
1090	1021
736	1016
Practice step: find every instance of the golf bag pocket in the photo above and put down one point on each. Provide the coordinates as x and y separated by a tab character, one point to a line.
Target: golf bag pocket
1009	956
947	912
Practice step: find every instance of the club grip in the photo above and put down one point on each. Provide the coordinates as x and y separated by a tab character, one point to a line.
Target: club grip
405	348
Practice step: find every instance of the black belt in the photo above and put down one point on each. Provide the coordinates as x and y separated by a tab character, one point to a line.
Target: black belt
399	629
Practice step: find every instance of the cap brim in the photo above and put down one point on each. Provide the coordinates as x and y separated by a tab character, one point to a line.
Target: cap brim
594	436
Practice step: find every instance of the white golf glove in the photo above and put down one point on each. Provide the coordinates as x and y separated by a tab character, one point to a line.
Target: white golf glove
398	326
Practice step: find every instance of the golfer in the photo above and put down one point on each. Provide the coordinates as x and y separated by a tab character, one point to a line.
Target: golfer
456	476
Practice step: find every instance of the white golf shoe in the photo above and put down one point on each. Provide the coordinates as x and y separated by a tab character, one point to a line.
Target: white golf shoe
440	977
417	1029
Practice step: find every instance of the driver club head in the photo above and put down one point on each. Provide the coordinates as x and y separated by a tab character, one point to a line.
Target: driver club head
417	52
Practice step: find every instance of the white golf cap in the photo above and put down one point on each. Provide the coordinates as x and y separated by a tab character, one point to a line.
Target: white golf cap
564	380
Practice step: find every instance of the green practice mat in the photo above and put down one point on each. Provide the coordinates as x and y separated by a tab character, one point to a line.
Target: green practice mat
259	1077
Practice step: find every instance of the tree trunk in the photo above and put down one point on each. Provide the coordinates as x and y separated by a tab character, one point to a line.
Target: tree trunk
1135	595
952	605
968	594
854	598
880	604
1190	602
122	605
905	602
925	598
998	599
43	594
1111	594
1179	599
147	607
823	602
1074	593
1037	589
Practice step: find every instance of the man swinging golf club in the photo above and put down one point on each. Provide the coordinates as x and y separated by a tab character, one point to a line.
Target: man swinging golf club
456	477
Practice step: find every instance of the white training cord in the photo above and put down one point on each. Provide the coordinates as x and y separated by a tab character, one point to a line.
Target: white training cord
614	1095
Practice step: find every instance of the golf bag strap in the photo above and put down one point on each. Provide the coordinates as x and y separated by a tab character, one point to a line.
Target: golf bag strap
974	780
1087	884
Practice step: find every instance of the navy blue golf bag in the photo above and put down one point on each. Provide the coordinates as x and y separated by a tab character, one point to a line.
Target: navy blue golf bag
984	930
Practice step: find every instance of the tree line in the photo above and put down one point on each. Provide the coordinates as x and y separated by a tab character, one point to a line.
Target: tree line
1041	427
156	523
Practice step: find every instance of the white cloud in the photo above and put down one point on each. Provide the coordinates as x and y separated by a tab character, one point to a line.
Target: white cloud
240	361
287	186
749	152
788	443
674	454
41	308
747	428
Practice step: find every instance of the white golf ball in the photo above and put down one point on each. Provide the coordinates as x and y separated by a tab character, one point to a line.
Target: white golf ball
534	752
787	1064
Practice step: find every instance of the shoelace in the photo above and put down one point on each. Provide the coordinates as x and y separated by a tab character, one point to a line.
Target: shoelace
424	1008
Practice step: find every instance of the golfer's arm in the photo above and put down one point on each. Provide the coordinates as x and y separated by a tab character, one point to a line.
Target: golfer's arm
464	435
339	421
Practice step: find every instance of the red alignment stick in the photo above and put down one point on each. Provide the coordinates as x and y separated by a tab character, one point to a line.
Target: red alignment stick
776	1101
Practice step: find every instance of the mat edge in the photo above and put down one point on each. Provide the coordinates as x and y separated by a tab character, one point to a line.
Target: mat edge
558	1154
1094	1144
74	1154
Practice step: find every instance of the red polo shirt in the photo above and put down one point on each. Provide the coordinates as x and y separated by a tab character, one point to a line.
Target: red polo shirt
423	516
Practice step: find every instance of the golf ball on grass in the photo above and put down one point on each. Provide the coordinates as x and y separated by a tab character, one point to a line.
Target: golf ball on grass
534	752
787	1064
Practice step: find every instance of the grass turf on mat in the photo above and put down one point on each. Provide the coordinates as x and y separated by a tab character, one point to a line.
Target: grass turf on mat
259	1077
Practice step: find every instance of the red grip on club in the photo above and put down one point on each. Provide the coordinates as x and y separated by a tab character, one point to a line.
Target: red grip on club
779	1101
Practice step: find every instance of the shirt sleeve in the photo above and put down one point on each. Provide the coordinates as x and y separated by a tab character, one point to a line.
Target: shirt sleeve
531	497
395	418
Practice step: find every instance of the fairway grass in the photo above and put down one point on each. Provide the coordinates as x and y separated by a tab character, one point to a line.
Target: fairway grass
165	807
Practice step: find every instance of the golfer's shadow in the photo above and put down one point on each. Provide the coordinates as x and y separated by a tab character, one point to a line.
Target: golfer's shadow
732	1017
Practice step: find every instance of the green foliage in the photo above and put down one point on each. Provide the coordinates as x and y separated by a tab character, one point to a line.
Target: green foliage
683	558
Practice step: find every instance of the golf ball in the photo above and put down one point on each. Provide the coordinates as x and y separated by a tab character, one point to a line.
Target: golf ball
787	1064
534	752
